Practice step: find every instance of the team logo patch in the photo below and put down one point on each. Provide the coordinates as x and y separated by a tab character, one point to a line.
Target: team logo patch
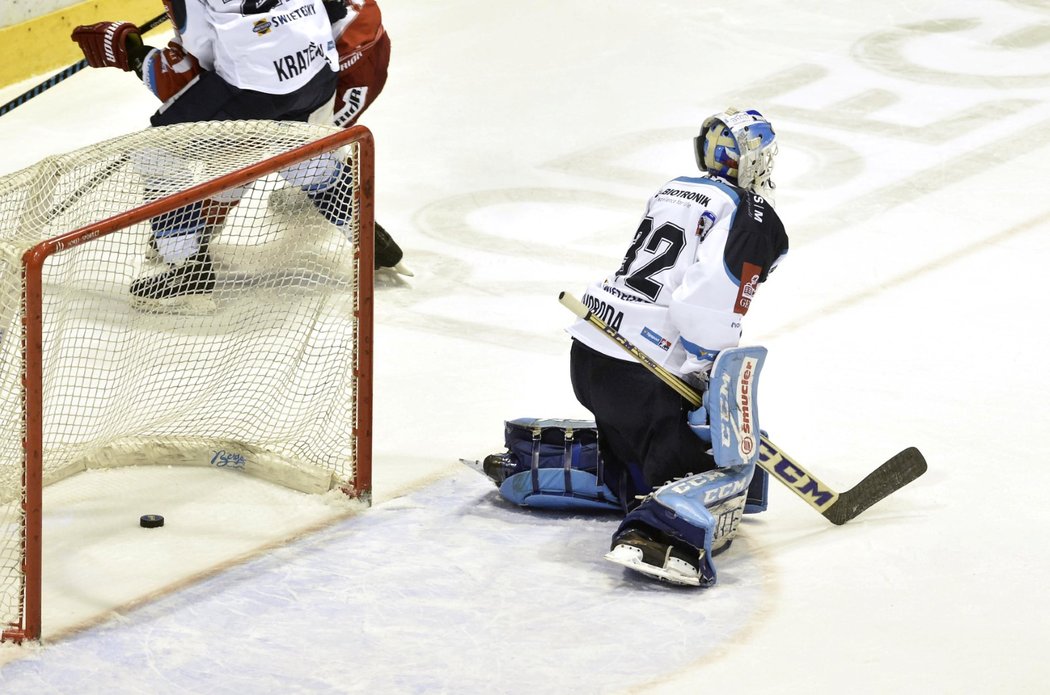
262	27
703	353
656	339
704	224
749	279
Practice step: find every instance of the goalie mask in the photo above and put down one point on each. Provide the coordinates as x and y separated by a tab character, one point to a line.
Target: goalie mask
738	145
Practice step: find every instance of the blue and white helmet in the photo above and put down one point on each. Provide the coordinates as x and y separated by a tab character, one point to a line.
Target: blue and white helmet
738	145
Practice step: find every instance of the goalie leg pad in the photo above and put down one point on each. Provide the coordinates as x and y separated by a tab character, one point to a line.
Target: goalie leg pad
552	464
735	434
695	517
731	403
757	492
558	491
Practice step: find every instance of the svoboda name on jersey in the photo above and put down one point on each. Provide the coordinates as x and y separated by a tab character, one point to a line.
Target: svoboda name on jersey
610	315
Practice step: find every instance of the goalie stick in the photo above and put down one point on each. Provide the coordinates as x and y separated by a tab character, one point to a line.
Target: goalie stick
69	71
836	507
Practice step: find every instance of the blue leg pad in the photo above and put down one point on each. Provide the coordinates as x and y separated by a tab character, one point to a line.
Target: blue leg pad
551	490
555	464
701	512
731	401
757	492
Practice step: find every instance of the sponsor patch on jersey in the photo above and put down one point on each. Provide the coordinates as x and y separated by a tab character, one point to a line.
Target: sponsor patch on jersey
705	223
692	196
656	339
749	279
262	27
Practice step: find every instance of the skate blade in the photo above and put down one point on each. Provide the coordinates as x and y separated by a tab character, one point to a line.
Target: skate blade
631	558
475	465
396	274
186	305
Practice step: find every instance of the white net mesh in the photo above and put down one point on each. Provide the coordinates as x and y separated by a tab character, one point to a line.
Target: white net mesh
254	367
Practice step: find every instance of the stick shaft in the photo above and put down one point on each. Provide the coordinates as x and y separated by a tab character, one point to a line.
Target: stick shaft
886	479
580	309
68	72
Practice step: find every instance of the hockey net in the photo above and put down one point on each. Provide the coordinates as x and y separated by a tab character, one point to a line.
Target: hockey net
271	378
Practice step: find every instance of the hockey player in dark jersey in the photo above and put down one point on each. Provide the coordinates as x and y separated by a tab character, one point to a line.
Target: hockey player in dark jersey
704	246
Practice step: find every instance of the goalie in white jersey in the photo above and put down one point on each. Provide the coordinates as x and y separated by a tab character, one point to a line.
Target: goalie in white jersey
682	478
704	246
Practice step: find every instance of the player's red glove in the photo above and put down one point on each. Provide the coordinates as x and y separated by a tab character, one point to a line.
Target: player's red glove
110	44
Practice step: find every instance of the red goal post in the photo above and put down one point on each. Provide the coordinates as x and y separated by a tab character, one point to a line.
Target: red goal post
95	380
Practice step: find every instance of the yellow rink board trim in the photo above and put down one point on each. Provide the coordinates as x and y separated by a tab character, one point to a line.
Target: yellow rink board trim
41	46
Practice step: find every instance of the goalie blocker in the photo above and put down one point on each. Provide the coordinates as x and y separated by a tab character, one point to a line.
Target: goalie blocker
676	530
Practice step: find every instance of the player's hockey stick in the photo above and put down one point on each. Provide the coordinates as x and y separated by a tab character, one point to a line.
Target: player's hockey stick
87	187
70	71
836	507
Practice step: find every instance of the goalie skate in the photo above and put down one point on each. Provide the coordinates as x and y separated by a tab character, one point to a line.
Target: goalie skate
638	552
495	467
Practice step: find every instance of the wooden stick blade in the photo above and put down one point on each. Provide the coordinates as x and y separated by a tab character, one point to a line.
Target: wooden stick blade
891	476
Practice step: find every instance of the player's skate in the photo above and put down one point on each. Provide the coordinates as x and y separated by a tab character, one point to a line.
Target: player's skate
388	254
336	210
183	287
336	207
667	562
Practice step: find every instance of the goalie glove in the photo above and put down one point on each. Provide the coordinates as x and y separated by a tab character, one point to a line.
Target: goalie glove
111	45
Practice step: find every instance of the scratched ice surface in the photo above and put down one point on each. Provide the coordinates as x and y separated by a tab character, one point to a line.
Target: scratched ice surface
449	572
516	146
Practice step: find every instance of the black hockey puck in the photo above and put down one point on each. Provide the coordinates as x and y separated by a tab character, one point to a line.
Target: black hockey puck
151	520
